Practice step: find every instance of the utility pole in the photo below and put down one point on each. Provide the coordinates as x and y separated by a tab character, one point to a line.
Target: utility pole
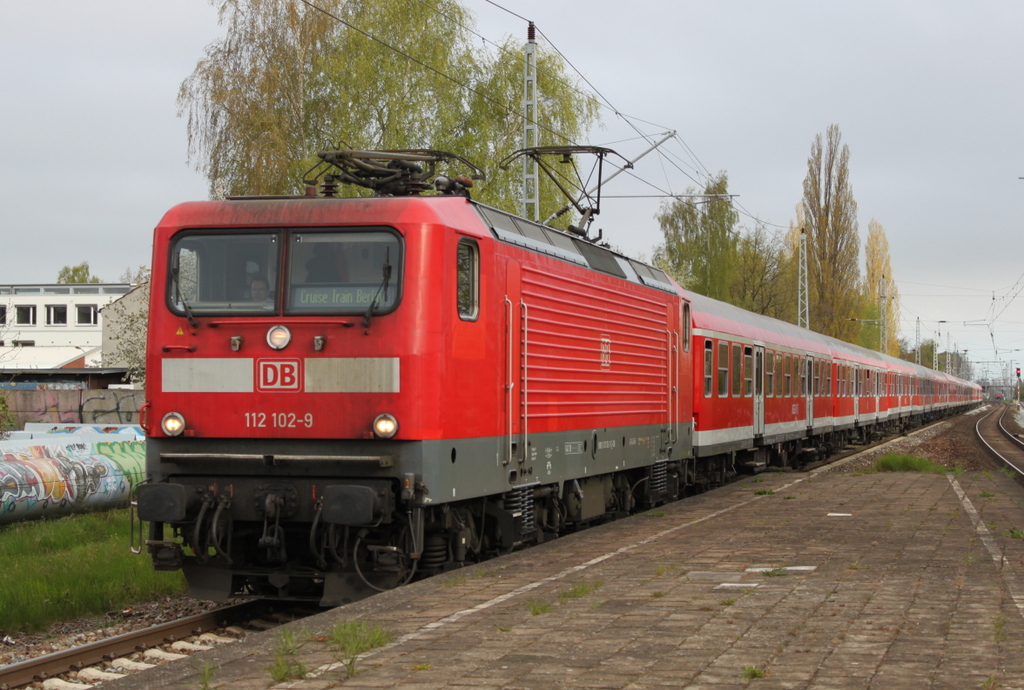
803	314
917	347
530	207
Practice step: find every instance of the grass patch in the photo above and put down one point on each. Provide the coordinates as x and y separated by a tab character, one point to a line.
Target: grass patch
1015	533
986	494
764	492
775	572
657	595
349	639
538	607
727	602
72	567
897	462
754	672
579	589
655	513
662	569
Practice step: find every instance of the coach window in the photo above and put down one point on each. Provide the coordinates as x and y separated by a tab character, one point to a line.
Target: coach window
789	376
686	326
723	369
769	371
737	372
468	282
778	375
748	371
709	367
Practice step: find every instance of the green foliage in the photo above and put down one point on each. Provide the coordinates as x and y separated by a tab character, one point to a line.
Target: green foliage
8	422
579	589
896	462
76	274
287	81
754	672
71	567
538	607
701	240
127	319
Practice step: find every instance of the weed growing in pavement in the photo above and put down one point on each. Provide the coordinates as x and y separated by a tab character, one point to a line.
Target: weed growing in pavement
349	639
754	672
756	480
727	602
420	667
286	644
501	629
579	589
789	498
662	569
286	668
538	607
999	626
897	462
774	572
991	684
1008	472
454	582
657	595
206	671
764	492
655	513
986	494
1015	533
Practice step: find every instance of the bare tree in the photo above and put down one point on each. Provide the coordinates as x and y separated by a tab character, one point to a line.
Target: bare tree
832	241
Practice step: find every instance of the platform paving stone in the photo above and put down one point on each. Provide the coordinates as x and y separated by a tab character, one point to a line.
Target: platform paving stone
920	586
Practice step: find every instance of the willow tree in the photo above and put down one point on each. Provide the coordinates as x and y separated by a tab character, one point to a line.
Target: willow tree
288	80
879	269
833	247
700	239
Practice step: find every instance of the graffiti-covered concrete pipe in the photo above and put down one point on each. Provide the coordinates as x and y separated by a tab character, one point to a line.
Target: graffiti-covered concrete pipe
43	478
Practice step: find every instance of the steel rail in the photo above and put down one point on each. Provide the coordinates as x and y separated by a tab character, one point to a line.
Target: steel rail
76	658
1010	442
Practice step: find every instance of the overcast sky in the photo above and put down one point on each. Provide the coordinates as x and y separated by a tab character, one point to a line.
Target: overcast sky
928	96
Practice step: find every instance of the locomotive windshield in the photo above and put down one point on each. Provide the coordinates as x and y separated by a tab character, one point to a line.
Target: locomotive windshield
334	272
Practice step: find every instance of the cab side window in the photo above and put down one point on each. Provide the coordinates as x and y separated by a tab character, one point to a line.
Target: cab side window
468	280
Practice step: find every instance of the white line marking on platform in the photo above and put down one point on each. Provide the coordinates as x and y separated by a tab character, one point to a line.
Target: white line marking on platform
839	515
990	544
738	585
553	578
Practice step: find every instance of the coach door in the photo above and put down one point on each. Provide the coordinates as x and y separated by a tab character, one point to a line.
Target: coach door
808	386
758	390
856	393
516	394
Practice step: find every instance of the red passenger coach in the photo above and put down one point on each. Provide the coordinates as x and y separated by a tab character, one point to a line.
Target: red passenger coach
347	393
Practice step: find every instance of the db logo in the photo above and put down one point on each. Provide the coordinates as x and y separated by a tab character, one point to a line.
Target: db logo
278	375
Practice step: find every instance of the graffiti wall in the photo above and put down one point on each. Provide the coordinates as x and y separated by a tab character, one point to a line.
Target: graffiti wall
105	406
50	479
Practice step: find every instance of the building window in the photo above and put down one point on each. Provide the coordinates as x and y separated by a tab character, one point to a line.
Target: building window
709	367
25	315
24	343
468	280
56	315
3	314
87	315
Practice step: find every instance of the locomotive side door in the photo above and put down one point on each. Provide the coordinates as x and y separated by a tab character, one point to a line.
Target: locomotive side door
759	390
515	364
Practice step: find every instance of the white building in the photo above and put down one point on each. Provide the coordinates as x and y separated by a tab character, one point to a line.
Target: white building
53	326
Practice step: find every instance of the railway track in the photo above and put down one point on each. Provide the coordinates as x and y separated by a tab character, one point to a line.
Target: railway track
1000	443
65	661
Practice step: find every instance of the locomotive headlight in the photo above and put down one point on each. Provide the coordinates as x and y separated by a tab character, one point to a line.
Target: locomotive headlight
385	426
278	337
172	424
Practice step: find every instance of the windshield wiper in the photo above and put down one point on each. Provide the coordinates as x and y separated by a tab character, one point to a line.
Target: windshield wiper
383	288
184	303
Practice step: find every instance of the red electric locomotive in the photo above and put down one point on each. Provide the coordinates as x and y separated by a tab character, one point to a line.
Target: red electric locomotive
344	393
